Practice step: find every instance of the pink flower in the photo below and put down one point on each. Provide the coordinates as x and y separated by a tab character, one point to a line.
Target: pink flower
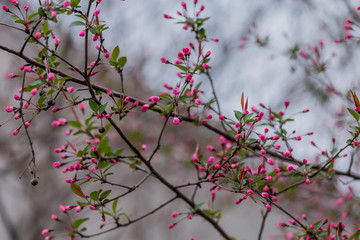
211	160
37	35
197	101
94	148
51	76
188	76
34	91
62	208
78	209
81	106
187	51
286	103
45	232
55	124
57	164
27	69
97	12
347	26
57	41
183	4
174	214
176	121
348	36
66	3
9	108
70	89
268	207
5	8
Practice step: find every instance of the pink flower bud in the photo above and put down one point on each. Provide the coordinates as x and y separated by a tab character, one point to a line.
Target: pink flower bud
81	33
27	69
34	91
37	35
174	214
57	41
9	109
5	8
57	164
78	209
286	103
176	121
81	106
51	76
188	76
66	3
97	12
70	89
45	232
167	16
268	207
53	14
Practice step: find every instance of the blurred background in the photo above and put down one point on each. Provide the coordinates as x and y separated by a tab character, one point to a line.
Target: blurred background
253	56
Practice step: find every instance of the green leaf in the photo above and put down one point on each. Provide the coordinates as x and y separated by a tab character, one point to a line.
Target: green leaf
184	98
198	206
75	124
122	61
104	195
77	23
37	82
238	115
181	67
95	195
32	15
354	114
74	3
115	53
93	105
114	205
102	108
45	28
77	190
78	222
